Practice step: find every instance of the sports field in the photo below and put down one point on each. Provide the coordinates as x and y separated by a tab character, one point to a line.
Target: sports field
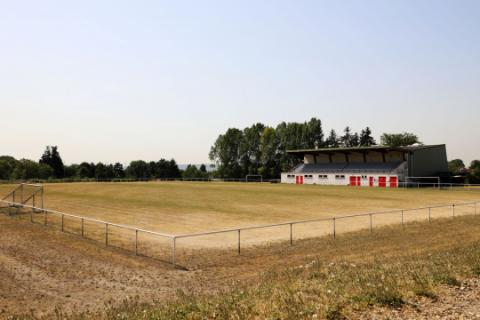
185	207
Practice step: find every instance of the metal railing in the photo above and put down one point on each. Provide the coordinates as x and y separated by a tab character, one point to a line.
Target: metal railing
170	247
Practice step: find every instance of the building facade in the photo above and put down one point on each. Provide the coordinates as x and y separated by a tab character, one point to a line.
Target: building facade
376	166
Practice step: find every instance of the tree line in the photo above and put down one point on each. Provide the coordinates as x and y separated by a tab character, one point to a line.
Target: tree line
469	174
50	166
261	149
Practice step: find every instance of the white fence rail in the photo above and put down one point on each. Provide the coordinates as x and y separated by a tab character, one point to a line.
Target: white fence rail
163	246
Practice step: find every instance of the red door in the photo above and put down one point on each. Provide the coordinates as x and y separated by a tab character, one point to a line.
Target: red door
359	181
393	182
301	179
353	181
382	182
370	181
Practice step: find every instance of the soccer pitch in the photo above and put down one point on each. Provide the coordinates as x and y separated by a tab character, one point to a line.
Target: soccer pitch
184	207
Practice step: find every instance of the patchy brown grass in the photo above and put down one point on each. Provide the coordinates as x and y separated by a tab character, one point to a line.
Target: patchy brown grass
183	207
315	278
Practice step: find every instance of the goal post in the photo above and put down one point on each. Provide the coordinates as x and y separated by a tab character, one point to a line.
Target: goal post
253	178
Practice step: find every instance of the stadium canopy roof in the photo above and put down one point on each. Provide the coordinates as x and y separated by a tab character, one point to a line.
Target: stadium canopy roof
363	149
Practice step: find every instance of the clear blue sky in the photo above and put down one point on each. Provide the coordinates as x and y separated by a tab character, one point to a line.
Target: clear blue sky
124	80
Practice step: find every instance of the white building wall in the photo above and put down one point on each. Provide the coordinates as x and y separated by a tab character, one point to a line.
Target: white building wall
336	178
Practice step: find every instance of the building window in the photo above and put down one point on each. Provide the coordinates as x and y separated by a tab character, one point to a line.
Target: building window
364	177
340	177
290	176
308	176
322	176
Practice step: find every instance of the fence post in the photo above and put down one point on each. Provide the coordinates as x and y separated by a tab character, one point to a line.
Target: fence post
31	216
106	234
291	233
238	241
45	222
402	219
83	227
475	213
136	242
371	223
334	228
429	214
62	221
453	210
174	244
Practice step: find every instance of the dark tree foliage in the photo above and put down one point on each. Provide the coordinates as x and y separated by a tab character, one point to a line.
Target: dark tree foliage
192	172
161	169
138	169
349	139
366	138
263	150
332	140
24	169
456	166
118	171
399	139
86	170
6	169
474	172
52	158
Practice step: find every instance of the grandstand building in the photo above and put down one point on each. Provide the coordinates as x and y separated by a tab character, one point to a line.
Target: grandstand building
375	166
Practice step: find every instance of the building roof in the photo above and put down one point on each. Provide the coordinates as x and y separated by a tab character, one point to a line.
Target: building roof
365	149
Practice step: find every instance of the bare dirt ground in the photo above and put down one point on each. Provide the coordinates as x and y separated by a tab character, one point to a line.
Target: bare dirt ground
42	269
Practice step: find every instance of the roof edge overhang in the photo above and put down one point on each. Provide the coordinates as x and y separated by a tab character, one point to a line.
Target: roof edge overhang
363	149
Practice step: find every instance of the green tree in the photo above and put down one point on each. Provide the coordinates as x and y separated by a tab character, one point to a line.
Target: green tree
399	139
51	156
45	171
313	134
192	172
366	138
250	153
332	140
118	170
6	170
270	154
26	169
226	152
101	171
349	139
456	166
138	169
71	170
474	172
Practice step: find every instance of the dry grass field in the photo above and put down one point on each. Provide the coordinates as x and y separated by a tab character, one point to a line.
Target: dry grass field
42	269
184	207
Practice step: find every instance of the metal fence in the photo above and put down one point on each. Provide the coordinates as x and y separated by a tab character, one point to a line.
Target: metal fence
164	246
